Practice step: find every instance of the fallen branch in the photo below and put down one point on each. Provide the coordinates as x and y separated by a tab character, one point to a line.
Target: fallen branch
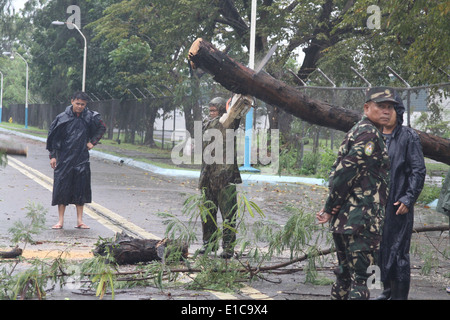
432	228
252	270
128	250
299	259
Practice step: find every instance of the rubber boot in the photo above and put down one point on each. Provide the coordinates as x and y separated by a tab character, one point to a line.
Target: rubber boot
208	247
227	254
386	294
202	250
399	290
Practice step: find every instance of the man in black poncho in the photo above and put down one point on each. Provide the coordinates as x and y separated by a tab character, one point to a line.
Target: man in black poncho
70	137
407	179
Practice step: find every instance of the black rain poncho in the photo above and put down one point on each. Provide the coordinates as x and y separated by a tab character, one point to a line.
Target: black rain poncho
67	140
407	175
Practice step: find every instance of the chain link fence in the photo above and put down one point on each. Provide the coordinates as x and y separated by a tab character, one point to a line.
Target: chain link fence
138	120
427	107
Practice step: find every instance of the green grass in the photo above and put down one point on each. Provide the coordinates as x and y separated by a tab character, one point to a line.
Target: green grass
437	169
138	148
434	169
21	128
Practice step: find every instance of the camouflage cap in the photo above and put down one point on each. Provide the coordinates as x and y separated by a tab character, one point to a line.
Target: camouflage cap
381	94
218	101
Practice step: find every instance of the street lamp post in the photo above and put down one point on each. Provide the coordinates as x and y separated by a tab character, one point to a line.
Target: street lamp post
60	23
26	84
1	96
249	117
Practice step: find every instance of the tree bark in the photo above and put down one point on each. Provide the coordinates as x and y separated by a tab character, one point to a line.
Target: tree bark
240	79
14	253
14	151
152	111
128	250
441	228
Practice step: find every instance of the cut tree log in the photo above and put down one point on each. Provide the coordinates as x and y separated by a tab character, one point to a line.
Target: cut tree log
14	253
240	79
128	250
14	151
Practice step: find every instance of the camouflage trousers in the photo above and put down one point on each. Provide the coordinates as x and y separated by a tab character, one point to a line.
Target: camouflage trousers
224	200
351	274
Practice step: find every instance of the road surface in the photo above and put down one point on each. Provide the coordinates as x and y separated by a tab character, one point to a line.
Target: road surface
129	199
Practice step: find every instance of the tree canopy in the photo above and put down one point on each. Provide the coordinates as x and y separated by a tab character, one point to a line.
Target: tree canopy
140	43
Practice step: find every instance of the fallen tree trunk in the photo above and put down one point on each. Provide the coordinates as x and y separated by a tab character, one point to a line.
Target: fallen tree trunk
129	250
14	151
322	252
240	79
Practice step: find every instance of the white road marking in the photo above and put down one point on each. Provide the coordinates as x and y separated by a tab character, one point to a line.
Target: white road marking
93	209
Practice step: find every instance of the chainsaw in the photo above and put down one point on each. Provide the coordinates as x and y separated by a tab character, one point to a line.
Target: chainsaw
238	105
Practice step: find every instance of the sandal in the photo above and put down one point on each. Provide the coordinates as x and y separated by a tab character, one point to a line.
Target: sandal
82	226
57	226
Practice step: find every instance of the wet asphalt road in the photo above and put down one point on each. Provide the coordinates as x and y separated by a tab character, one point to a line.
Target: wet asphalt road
132	198
135	195
131	193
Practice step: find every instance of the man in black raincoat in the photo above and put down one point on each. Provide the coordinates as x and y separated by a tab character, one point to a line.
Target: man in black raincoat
70	137
406	182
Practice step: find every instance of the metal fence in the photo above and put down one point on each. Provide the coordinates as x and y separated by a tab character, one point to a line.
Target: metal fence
427	109
433	100
130	117
415	99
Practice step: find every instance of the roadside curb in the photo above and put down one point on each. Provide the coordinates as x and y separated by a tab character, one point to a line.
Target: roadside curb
246	177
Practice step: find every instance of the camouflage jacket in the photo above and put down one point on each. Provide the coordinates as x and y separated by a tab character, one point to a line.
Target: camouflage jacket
359	182
219	168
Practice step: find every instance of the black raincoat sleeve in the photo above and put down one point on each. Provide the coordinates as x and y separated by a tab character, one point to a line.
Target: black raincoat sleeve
50	148
98	129
53	144
416	177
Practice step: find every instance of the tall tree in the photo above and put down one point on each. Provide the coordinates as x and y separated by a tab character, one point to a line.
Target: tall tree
58	51
8	27
411	36
14	31
333	35
166	29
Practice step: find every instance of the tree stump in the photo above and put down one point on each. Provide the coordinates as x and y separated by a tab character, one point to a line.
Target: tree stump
128	250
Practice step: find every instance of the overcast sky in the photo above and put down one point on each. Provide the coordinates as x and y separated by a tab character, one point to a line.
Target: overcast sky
18	4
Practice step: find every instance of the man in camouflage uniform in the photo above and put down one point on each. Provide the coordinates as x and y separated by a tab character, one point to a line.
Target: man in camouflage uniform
359	183
218	178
